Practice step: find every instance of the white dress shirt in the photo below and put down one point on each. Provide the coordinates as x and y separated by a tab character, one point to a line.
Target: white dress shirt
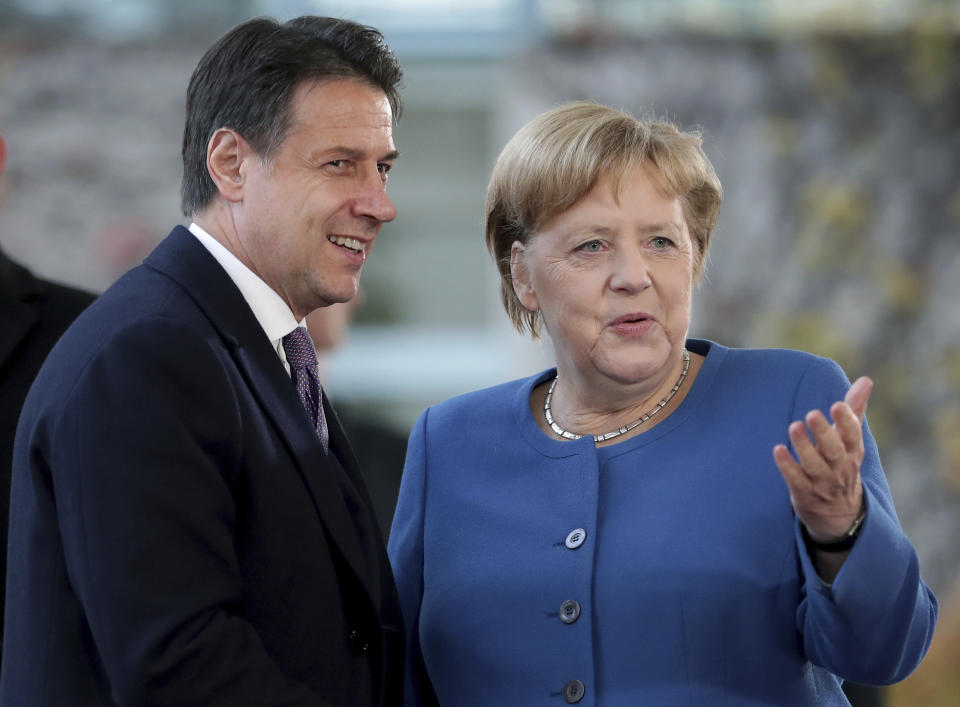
268	307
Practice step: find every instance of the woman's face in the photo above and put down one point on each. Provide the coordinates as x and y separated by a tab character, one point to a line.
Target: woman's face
612	277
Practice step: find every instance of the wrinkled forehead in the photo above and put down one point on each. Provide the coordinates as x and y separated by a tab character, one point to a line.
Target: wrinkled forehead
342	102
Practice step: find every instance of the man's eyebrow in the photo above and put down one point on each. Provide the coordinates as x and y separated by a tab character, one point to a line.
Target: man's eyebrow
355	154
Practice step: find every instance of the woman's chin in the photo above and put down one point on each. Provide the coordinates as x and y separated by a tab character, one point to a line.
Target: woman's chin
635	364
634	374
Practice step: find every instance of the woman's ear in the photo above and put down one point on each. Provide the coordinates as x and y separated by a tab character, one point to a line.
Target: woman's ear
226	153
520	277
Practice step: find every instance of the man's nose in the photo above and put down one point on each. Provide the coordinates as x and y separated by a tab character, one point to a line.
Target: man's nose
373	202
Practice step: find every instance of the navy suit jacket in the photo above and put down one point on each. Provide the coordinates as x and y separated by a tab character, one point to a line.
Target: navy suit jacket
177	534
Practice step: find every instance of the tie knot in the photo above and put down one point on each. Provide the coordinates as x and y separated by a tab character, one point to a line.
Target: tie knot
299	349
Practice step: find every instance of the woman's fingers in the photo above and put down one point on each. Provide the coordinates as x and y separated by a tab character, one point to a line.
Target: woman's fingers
850	429
797	480
858	396
823	473
828	441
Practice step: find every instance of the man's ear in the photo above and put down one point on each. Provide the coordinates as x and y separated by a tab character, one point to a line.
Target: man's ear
3	155
520	277
226	153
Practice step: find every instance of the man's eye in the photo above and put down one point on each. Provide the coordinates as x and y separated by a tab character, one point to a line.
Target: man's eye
337	164
383	167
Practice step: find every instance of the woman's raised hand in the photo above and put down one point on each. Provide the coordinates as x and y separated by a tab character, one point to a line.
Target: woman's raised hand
824	479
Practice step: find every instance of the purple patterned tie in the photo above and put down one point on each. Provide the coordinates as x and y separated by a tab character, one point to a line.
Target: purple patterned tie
303	369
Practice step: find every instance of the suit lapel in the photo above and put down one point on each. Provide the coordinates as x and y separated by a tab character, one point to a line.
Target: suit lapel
17	288
340	445
182	257
278	397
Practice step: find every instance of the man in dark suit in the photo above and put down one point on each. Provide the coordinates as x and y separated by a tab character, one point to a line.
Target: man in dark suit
33	315
189	526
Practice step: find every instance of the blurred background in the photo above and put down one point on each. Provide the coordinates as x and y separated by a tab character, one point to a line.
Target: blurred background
834	126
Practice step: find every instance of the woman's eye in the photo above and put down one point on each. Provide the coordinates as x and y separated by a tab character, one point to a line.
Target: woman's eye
592	246
661	242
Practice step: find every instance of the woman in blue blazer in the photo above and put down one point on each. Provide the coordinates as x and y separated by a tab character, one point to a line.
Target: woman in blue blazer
614	531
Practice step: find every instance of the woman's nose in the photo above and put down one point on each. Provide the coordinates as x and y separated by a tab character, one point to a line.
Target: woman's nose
630	272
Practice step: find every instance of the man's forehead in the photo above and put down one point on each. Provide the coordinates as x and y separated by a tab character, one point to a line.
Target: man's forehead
344	100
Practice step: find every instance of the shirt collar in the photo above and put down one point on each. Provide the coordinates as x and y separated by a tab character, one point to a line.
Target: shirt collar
268	307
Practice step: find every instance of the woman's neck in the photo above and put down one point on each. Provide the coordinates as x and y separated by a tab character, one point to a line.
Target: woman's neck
584	406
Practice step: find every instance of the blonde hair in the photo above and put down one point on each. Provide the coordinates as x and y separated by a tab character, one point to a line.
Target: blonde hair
556	159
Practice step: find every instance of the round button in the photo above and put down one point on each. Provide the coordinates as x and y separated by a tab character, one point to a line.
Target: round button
573	692
575	538
569	611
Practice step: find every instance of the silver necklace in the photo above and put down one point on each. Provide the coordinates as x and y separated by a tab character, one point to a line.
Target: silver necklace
623	430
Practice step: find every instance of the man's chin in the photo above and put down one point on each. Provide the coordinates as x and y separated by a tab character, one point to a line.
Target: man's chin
341	296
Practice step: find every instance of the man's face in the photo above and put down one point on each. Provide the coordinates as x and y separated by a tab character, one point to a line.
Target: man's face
310	214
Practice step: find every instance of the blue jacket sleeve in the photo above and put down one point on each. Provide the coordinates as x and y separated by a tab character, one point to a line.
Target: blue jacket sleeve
874	623
405	549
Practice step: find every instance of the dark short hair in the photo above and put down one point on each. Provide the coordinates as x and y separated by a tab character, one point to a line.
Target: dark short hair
247	81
